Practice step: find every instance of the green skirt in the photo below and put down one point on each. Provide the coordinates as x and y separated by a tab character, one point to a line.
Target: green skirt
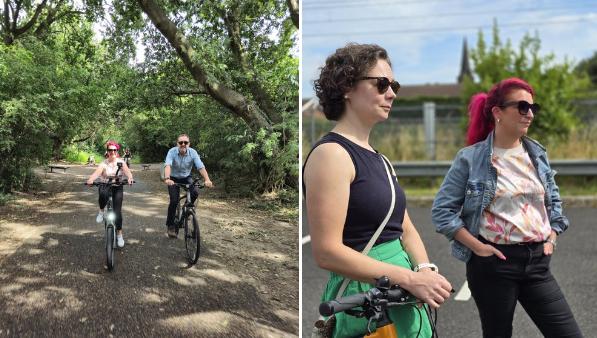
407	318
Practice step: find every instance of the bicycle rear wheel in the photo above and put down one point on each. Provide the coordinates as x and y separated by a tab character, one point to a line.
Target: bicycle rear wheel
192	237
110	247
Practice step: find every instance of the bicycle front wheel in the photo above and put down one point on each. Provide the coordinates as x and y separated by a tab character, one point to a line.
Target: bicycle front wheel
110	247
192	237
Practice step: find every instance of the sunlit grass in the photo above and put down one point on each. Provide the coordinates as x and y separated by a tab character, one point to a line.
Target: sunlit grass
406	142
73	155
569	186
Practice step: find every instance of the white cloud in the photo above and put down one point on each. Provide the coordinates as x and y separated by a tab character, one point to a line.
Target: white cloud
422	52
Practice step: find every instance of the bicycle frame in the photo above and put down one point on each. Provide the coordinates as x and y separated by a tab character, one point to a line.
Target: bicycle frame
185	218
110	217
183	209
109	221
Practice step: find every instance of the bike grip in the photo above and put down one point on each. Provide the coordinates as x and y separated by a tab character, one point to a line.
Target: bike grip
397	295
345	303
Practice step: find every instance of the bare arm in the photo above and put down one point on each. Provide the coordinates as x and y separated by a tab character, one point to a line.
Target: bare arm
205	176
167	171
413	245
327	178
96	173
127	172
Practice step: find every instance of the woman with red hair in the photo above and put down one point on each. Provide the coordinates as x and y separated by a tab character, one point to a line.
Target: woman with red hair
109	169
500	207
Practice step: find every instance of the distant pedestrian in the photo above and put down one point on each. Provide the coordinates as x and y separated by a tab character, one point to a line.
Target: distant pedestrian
500	206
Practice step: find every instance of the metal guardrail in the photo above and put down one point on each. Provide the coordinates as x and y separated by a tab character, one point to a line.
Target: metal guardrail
440	168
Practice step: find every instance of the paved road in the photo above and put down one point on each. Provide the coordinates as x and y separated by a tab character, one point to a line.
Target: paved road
574	266
53	282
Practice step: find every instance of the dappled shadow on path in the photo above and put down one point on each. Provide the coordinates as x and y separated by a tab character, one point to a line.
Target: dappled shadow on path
54	282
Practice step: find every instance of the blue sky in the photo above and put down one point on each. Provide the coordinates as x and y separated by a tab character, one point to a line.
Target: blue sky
424	37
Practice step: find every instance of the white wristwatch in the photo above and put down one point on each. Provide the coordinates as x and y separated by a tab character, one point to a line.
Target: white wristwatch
432	266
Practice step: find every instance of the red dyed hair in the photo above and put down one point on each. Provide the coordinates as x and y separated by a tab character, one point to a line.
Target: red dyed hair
481	121
112	143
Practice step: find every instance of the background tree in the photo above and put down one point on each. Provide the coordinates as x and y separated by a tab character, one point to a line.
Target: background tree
224	72
588	67
20	18
555	84
51	94
239	61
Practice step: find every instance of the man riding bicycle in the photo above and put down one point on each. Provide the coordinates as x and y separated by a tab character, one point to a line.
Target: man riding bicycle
179	163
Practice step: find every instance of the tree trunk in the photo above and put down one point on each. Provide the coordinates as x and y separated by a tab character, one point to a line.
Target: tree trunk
294	12
229	98
259	93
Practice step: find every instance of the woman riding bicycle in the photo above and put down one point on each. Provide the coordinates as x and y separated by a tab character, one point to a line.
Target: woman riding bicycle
348	194
107	169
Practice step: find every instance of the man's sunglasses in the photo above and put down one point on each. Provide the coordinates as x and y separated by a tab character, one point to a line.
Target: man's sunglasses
523	107
183	142
110	150
383	83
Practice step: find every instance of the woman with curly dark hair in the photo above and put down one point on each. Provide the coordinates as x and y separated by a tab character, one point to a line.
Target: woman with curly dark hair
360	229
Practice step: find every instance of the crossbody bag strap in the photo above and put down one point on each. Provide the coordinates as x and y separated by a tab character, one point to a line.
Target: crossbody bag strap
381	226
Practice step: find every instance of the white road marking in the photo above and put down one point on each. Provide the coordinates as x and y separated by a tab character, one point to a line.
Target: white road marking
305	240
464	294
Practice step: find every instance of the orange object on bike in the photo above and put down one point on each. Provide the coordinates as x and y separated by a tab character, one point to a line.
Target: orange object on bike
386	331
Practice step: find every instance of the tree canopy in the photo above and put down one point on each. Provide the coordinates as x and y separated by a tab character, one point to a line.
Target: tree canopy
555	84
224	72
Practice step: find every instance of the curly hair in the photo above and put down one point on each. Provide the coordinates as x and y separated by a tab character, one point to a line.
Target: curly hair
481	121
339	73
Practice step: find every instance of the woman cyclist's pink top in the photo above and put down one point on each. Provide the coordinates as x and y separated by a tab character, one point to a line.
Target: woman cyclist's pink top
109	169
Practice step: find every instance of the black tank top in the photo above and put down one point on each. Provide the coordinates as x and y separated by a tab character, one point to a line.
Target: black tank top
370	196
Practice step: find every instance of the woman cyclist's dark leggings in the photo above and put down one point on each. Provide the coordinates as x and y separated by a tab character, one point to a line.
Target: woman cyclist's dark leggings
497	285
104	195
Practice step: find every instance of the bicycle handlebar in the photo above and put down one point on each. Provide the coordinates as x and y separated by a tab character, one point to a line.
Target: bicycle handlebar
395	295
121	182
195	183
341	304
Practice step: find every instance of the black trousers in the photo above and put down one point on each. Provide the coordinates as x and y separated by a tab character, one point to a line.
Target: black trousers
117	194
524	277
174	192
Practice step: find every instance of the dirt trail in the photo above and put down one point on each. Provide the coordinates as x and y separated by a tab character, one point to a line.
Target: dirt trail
53	281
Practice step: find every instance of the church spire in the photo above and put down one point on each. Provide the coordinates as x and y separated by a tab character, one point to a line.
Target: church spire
465	68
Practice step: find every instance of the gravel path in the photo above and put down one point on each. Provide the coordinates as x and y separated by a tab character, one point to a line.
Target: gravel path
53	281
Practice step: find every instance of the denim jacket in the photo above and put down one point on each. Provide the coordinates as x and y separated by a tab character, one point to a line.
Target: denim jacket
469	187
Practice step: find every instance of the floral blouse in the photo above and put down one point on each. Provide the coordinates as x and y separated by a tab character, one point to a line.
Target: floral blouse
517	213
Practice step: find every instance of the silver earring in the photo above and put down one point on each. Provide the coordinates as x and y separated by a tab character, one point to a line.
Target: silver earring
498	120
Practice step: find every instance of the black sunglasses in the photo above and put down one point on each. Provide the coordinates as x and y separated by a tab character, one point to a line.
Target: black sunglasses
109	150
523	107
183	142
383	83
